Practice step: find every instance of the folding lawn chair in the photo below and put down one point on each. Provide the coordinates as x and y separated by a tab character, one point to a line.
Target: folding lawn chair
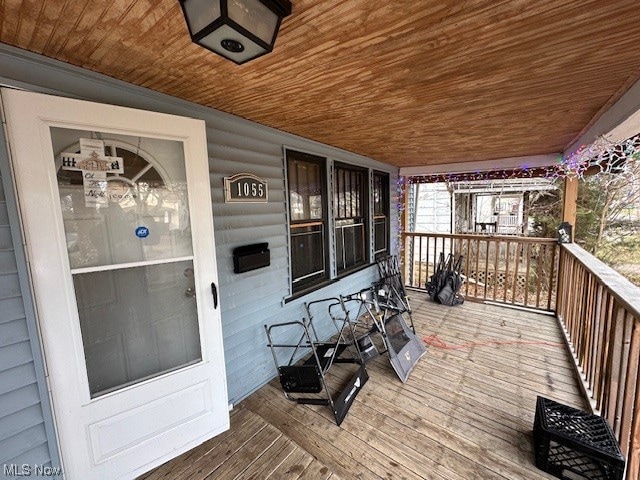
303	360
402	345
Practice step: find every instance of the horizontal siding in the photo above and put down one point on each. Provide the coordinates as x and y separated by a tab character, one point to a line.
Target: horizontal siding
9	286
4	214
12	309
16	377
254	299
247	299
7	262
19	421
5	238
25	441
258	222
13	332
228	159
17	400
15	355
34	456
248	209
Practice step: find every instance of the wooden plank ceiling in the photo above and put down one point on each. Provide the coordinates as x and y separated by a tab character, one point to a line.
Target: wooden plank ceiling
406	82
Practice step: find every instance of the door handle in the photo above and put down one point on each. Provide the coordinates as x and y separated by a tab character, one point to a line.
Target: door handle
214	292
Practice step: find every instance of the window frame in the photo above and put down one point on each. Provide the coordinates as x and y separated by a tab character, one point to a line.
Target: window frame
324	277
385	203
350	179
330	215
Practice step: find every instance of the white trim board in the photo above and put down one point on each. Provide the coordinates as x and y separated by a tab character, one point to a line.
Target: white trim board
619	122
627	129
532	161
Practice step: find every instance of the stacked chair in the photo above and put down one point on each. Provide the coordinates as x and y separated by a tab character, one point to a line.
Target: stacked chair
385	312
305	359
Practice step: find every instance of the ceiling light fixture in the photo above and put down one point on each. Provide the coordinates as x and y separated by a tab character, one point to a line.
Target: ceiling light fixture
238	30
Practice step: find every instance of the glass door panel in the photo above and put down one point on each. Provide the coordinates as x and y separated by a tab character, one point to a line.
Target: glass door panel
136	212
126	218
136	323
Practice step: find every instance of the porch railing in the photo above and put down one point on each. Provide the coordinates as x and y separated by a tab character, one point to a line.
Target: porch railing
505	269
597	307
600	312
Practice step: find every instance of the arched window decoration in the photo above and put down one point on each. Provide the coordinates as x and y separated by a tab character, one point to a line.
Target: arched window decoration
139	169
143	195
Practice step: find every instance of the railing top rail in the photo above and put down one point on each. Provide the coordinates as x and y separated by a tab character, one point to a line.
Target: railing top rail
622	289
484	236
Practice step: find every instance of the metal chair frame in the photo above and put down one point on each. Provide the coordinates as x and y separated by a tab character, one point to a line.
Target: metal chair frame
305	371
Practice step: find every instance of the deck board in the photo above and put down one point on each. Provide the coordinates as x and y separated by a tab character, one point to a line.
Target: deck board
466	412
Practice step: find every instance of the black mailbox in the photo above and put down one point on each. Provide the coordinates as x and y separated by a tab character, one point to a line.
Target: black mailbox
251	257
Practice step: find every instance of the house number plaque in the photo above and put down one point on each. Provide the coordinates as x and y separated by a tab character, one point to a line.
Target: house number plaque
245	187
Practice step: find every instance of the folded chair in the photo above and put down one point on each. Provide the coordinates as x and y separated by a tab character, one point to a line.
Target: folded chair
385	319
303	357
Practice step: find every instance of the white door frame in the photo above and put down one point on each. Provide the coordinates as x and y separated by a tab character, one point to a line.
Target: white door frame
171	413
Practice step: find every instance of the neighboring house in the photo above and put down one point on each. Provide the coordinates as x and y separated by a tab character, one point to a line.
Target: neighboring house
432	204
480	206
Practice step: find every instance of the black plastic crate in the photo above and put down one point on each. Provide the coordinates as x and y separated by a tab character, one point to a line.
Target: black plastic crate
575	445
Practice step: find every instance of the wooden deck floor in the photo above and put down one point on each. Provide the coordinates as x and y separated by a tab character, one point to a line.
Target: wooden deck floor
465	413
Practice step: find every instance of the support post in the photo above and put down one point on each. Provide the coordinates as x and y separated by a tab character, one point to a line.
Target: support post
570	200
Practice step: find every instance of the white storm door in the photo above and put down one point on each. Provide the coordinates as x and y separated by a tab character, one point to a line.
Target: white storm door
116	211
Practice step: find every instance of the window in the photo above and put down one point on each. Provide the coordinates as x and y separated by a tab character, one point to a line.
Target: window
361	219
350	203
380	213
306	176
